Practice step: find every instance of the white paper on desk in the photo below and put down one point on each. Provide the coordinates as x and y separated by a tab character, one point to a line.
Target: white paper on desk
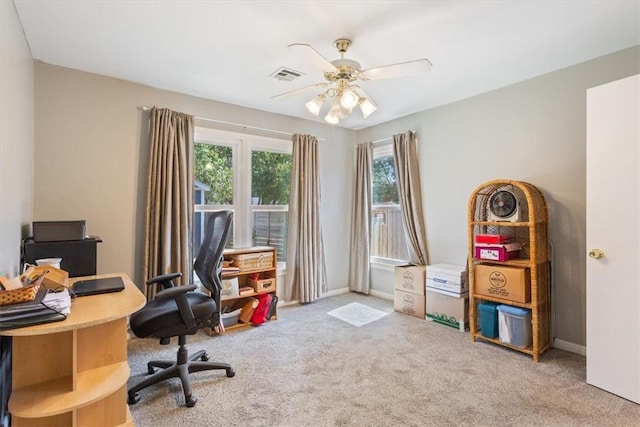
59	301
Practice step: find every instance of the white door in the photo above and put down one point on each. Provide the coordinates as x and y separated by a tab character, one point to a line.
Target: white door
613	236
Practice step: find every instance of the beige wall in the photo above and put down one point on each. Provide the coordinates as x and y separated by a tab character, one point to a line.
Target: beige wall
91	147
16	138
533	131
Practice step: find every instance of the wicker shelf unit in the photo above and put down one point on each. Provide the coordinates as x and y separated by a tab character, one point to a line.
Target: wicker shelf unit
531	230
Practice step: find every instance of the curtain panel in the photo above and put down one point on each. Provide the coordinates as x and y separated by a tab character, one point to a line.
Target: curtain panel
305	279
405	157
359	250
169	204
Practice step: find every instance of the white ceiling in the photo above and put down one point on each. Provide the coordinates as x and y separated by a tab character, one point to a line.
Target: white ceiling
227	50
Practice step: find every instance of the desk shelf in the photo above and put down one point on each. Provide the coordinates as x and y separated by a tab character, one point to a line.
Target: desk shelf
75	372
58	396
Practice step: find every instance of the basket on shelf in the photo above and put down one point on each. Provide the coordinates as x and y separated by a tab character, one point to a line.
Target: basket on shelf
253	261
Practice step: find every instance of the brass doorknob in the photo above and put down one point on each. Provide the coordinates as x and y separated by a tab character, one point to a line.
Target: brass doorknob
596	253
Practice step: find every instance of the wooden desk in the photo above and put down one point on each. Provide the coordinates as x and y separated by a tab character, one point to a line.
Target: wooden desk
75	372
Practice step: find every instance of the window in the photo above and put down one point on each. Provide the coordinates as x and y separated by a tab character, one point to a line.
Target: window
388	241
247	174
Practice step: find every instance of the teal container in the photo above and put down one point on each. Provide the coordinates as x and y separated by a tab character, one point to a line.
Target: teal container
489	319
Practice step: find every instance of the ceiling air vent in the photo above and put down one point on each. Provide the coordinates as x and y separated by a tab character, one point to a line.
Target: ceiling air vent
286	74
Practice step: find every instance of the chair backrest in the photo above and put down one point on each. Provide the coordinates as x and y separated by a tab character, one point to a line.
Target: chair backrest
208	264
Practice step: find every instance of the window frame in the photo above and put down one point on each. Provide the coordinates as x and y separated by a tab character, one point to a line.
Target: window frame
242	147
384	263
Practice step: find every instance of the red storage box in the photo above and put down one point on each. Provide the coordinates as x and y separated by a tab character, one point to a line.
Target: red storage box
492	238
496	252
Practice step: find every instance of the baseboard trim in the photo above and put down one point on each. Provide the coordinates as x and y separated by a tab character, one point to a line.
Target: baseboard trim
372	292
335	292
325	295
569	346
381	294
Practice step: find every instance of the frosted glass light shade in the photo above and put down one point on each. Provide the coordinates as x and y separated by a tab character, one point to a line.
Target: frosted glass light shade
332	118
367	107
349	99
315	105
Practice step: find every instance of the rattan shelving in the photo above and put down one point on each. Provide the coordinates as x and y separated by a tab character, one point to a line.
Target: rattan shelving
532	232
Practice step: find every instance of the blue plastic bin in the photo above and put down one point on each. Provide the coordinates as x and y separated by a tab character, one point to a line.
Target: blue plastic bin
488	319
514	325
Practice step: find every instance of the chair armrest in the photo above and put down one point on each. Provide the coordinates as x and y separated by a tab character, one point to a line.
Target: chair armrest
177	293
163	278
161	282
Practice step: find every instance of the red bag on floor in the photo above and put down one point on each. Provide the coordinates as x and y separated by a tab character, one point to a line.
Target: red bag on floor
259	315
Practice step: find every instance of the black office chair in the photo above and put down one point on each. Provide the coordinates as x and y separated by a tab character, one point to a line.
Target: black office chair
177	311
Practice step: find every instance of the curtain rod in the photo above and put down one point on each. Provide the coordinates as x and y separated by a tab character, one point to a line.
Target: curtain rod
378	141
222	122
389	138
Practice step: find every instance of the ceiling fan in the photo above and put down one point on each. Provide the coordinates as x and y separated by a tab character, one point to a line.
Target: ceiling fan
340	75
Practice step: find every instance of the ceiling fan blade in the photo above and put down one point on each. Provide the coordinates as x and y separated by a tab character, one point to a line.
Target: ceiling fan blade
396	70
299	90
313	56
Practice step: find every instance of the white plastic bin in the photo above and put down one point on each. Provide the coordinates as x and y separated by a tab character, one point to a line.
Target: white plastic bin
514	324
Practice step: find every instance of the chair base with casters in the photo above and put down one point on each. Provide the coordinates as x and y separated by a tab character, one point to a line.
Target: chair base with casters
175	311
181	367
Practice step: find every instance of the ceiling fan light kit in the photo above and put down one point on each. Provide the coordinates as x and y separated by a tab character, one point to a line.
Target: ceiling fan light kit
367	107
341	73
315	104
349	99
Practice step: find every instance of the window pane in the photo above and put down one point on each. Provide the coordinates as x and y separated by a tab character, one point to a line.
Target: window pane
270	178
387	231
213	174
270	229
384	188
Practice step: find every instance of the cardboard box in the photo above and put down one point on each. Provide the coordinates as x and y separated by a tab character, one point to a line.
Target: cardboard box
509	283
409	303
498	252
448	308
448	277
492	238
409	278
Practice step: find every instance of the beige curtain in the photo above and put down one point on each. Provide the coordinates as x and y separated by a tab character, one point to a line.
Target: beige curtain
359	272
169	209
405	157
305	278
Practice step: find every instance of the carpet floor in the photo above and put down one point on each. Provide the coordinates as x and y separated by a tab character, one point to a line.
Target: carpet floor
311	366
